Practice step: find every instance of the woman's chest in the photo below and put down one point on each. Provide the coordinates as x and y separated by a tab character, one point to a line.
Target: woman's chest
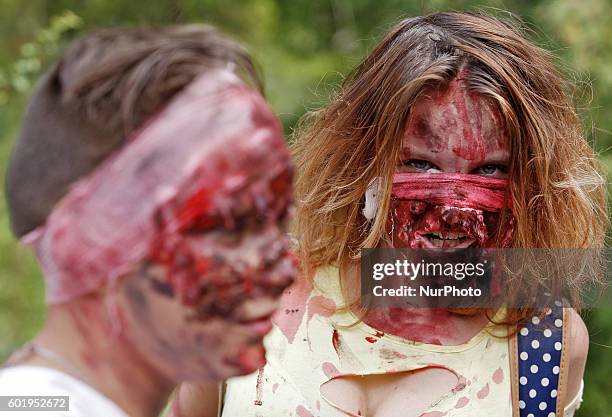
353	371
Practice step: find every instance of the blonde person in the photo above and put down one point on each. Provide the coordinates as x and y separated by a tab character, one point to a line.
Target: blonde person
465	126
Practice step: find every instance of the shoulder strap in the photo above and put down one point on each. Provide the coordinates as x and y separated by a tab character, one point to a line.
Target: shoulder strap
538	360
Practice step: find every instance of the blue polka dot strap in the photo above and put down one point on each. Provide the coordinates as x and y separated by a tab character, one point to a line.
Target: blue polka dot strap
541	365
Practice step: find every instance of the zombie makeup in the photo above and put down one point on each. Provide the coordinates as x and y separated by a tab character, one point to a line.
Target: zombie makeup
449	191
199	243
199	196
447	210
450	188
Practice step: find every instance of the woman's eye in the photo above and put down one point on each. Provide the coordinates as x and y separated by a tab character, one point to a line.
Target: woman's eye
491	169
420	165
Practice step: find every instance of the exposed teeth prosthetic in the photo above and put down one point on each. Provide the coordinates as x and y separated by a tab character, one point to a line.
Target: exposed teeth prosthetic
439	210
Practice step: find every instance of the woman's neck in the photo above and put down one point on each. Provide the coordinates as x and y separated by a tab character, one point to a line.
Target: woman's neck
425	325
92	349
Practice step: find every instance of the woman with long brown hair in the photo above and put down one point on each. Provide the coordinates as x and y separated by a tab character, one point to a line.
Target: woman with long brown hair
448	101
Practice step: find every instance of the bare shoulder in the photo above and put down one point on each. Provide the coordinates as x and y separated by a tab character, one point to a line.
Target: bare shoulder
578	345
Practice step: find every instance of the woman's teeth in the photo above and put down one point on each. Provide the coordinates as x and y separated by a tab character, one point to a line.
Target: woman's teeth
448	235
446	239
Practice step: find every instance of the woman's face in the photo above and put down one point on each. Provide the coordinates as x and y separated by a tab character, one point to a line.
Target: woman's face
451	131
455	131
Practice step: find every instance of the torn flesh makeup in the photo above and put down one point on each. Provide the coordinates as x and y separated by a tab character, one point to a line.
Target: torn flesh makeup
434	210
212	162
217	256
441	210
222	246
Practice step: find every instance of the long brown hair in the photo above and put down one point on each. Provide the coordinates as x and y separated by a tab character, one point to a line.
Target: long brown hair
556	187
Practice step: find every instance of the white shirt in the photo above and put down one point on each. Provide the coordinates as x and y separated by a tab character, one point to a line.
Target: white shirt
84	401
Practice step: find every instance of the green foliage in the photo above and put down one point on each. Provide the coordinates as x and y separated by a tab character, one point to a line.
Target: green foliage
26	67
304	47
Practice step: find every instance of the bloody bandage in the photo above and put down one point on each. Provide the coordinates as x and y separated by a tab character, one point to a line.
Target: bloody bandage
465	206
181	171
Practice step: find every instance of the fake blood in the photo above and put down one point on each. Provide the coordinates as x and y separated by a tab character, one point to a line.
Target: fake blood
483	392
462	402
374	339
336	340
457	119
330	370
421	325
193	274
498	376
293	306
423	203
212	159
301	411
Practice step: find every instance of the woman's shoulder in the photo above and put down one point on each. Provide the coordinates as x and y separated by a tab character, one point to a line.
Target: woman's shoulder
578	347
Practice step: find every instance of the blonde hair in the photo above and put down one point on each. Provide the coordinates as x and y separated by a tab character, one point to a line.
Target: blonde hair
557	188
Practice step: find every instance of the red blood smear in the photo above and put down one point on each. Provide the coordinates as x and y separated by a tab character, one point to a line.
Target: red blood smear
483	392
498	376
320	305
186	266
462	402
419	325
471	148
189	271
330	370
371	339
460	117
336	340
389	354
303	412
293	305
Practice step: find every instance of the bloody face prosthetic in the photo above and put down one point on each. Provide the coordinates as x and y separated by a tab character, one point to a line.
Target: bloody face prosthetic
448	210
208	170
450	188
